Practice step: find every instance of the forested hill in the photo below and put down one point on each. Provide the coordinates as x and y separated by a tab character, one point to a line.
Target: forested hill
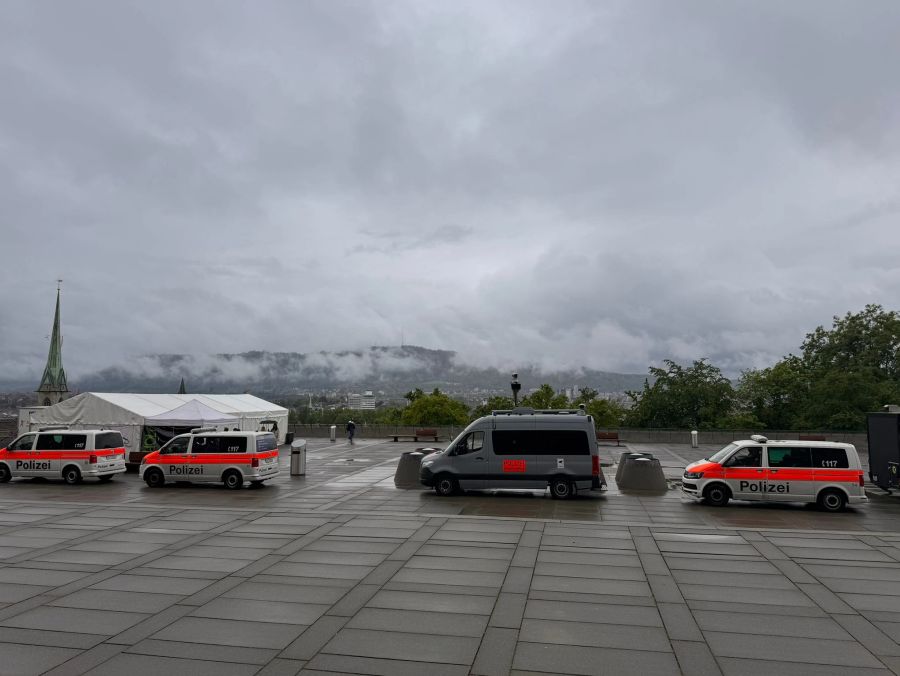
394	370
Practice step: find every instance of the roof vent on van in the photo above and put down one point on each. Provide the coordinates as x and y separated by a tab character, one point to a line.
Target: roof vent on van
198	430
53	427
758	438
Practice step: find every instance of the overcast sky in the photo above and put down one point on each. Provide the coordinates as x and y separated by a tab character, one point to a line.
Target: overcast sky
558	183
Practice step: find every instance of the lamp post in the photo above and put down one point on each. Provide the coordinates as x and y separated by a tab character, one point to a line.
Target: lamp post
515	386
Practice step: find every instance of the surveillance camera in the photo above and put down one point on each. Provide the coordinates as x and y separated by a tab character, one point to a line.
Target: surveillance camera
515	375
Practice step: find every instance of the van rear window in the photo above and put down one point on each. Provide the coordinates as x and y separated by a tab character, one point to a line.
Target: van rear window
830	457
540	442
265	442
108	440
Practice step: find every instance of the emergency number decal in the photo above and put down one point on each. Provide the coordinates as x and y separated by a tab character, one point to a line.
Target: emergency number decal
513	465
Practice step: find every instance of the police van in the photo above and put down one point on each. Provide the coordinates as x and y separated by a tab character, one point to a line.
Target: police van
522	449
210	456
823	472
57	452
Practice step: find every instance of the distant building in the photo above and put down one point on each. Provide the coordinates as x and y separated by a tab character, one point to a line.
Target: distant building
361	402
53	388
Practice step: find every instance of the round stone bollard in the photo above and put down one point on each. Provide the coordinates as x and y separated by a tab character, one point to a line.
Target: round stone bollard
407	474
628	454
641	474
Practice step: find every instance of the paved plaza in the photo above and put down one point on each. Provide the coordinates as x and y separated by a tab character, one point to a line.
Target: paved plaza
339	572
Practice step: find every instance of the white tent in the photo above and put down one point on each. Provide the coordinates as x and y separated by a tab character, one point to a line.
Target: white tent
193	413
128	413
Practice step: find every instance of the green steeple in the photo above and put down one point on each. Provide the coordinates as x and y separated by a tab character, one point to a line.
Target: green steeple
181	389
53	383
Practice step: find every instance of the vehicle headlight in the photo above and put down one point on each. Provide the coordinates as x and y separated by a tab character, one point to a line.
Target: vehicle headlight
427	463
693	475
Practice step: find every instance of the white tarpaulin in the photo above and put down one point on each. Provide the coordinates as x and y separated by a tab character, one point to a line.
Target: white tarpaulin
128	413
194	413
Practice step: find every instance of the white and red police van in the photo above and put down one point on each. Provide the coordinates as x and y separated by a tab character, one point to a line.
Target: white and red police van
827	473
58	452
210	456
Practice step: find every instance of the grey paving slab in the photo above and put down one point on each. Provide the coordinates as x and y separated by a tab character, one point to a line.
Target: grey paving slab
509	610
42	637
695	658
100	599
771	624
458	563
314	638
758	595
601	613
704	577
869	635
281	667
565	659
588	559
496	652
86	661
590	634
345	558
24	660
185	563
261	611
791	649
101	622
245	553
153	584
750	667
230	632
403	646
321	570
349	664
445	603
50	578
13	593
503	553
293	593
679	622
199	651
149	665
590	586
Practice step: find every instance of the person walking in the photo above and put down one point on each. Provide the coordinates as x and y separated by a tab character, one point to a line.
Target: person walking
351	430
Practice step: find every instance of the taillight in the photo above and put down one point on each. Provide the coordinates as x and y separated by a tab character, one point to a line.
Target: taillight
93	460
862	482
595	465
254	462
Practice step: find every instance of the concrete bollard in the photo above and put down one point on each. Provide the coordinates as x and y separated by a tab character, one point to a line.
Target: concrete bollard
333	432
695	441
641	474
628	454
407	474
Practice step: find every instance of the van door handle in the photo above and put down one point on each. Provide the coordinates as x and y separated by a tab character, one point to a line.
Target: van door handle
481	459
759	471
774	471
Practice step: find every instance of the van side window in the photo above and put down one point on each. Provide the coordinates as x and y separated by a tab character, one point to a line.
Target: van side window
830	458
540	442
61	442
108	440
789	457
177	445
473	441
23	444
750	456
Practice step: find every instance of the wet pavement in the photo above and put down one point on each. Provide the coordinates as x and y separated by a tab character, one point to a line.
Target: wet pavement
340	572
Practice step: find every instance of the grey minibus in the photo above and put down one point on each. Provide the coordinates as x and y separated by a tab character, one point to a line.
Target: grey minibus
521	448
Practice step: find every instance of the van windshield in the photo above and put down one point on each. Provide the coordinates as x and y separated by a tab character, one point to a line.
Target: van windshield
720	456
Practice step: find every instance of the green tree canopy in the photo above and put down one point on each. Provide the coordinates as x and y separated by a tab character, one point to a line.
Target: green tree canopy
492	404
695	397
435	409
545	397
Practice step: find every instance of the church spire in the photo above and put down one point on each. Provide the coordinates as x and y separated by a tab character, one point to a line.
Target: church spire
53	384
181	388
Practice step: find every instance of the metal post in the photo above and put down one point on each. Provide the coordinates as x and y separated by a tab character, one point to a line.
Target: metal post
515	386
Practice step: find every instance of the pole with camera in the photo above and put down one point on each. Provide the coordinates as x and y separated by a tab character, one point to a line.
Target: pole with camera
515	386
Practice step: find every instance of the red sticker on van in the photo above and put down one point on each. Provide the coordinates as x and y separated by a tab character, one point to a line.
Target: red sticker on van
513	465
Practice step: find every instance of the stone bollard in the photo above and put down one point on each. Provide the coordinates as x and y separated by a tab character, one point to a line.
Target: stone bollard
407	474
641	474
628	454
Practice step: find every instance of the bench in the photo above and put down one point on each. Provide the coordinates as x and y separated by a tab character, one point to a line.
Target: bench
608	436
424	434
812	437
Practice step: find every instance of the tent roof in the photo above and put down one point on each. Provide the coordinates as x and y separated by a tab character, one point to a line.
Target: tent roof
192	413
148	405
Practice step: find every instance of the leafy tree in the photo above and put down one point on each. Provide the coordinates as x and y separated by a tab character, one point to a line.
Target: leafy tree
774	398
585	396
694	397
414	394
545	397
435	409
492	404
606	413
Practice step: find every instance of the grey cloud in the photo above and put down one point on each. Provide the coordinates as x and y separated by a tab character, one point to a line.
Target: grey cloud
567	183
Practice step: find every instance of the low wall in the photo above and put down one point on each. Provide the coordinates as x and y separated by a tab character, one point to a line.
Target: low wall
626	434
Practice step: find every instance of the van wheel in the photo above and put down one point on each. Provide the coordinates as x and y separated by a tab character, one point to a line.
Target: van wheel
716	495
106	479
5	474
233	479
446	485
154	478
561	488
72	475
831	501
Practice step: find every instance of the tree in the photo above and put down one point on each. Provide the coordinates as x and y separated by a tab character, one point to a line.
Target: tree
414	394
694	397
545	397
492	404
435	409
606	413
773	398
585	396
